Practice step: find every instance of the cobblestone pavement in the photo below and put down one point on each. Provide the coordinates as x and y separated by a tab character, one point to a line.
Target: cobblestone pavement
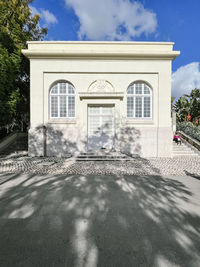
138	166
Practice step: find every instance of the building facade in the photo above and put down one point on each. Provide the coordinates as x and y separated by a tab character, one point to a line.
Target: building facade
89	96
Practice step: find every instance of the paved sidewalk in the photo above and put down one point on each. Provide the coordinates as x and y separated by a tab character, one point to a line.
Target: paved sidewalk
137	166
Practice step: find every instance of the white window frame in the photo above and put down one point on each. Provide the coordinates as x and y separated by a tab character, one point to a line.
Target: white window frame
134	95
67	99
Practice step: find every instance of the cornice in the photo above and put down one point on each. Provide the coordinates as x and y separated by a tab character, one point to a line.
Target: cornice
40	54
86	95
100	42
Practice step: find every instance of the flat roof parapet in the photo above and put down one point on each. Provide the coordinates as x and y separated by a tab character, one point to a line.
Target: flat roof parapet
96	49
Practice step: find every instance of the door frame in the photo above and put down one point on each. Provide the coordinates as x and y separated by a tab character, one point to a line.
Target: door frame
101	105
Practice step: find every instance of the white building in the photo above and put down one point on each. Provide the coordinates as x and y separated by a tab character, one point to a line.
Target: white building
96	95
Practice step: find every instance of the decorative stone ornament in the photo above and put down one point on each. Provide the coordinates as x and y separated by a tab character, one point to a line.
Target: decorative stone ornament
101	86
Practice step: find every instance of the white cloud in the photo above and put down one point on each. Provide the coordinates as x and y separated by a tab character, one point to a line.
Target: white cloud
48	17
112	19
45	14
185	79
34	10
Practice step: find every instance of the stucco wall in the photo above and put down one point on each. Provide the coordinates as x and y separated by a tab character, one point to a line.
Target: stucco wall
144	137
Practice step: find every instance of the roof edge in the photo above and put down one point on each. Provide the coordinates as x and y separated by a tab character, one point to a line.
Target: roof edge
104	55
101	42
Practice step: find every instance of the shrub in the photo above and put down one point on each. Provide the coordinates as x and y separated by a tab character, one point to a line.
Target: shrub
190	129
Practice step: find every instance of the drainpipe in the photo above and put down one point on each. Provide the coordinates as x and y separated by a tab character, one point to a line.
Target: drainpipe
44	140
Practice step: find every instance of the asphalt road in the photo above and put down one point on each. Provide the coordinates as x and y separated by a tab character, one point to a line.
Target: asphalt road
98	220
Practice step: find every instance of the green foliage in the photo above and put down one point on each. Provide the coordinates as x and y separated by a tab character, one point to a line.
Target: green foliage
182	108
9	71
190	129
17	25
188	104
195	104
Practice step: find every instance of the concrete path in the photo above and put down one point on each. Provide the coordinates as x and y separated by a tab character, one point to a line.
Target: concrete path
99	220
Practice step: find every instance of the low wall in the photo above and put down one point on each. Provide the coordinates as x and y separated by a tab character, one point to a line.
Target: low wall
7	141
190	140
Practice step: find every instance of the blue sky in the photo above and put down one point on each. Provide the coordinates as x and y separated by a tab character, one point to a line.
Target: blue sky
128	20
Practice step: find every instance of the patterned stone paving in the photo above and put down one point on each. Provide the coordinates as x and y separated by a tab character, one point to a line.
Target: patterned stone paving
137	166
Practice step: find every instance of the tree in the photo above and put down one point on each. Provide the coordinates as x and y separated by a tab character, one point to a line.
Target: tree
17	25
188	105
194	100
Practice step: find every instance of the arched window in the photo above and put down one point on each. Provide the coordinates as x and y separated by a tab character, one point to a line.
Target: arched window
62	100
139	101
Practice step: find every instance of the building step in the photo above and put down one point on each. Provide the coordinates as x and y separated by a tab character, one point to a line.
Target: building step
185	155
189	151
100	156
184	150
180	146
103	159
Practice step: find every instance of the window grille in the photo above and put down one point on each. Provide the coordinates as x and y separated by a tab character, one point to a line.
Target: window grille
62	100
139	101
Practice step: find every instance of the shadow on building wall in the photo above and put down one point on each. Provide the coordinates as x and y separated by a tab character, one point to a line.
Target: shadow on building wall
52	141
129	140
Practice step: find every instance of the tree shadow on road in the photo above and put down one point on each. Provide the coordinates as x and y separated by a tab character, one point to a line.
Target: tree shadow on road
97	220
192	175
